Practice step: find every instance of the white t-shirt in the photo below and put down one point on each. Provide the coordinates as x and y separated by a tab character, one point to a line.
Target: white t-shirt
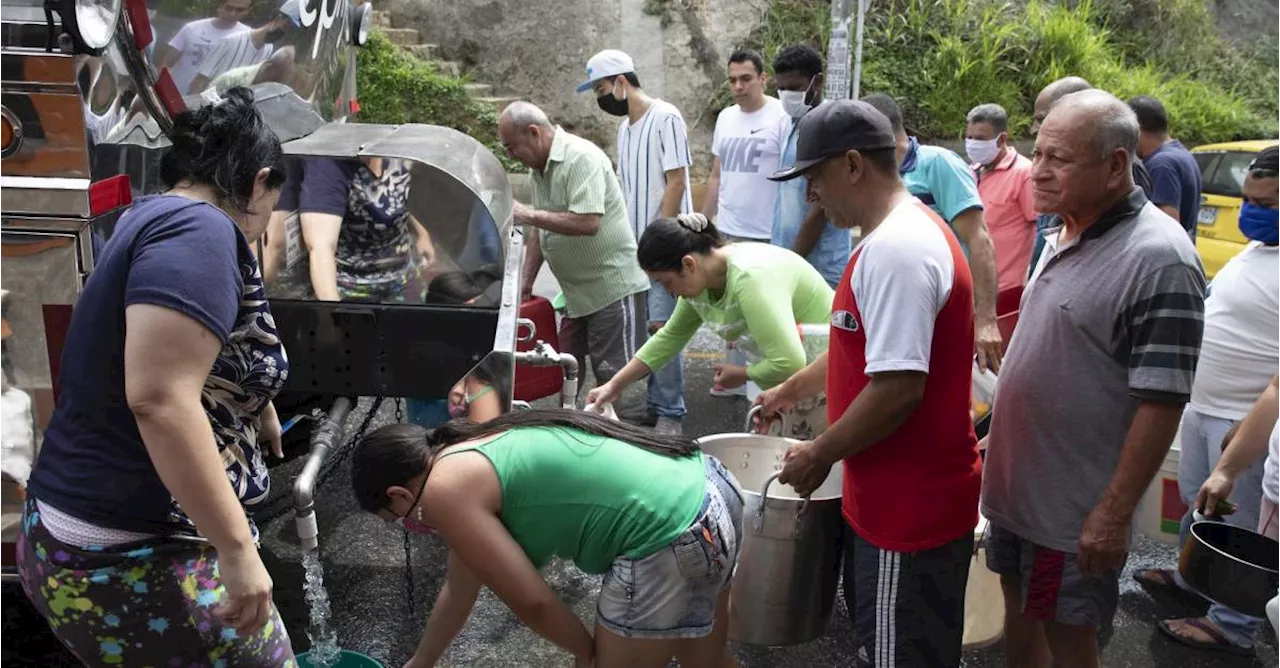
1271	469
749	147
194	41
647	150
232	53
1241	347
902	279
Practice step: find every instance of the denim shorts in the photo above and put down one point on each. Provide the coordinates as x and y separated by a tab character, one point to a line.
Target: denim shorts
672	593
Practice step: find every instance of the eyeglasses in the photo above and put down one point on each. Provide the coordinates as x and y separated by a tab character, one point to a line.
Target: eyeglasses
1263	173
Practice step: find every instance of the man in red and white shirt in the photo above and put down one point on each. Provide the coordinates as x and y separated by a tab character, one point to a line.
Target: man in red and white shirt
897	375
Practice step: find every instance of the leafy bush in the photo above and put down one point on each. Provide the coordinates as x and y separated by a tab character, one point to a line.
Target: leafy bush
396	87
940	58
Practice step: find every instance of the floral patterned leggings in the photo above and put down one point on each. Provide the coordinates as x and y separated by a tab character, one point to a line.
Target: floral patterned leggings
149	603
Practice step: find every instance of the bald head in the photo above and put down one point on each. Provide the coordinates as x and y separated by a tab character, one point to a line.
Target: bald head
526	134
1103	117
1052	93
521	114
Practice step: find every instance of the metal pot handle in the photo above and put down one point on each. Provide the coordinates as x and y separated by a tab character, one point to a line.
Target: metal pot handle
764	498
749	426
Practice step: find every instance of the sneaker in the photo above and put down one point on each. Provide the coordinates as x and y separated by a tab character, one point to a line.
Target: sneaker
640	416
717	391
668	427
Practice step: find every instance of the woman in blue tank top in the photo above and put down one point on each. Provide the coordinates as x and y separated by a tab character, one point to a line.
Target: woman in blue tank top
659	519
135	544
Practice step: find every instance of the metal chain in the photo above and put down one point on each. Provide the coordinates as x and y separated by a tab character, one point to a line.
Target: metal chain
399	410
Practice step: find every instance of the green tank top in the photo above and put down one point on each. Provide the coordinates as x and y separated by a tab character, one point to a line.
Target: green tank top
589	498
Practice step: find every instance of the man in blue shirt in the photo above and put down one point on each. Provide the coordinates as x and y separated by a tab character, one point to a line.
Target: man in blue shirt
942	180
798	224
1175	176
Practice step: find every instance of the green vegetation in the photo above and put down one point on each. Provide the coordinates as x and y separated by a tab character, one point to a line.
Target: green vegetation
394	87
939	58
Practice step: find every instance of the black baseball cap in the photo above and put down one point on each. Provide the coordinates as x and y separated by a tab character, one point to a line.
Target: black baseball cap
834	128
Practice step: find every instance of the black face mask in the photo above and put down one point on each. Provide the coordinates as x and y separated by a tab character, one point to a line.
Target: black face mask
612	105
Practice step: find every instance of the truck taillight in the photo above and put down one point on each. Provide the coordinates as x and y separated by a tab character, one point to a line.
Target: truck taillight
109	193
10	132
139	22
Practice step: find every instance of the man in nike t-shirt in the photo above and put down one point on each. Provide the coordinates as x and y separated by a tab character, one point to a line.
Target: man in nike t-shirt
747	146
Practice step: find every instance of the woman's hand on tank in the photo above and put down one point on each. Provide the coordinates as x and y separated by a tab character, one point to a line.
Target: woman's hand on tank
427	249
730	376
270	431
246	603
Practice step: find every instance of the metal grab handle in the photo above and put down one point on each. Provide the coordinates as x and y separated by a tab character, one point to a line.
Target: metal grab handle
764	498
529	326
749	427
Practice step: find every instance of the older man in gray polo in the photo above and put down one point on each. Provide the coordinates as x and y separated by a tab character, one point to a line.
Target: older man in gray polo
1092	387
582	231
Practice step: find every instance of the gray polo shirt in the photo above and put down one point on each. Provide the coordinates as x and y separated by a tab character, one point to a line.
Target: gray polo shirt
1110	319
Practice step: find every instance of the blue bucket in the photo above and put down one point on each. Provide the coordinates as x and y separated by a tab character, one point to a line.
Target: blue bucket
346	659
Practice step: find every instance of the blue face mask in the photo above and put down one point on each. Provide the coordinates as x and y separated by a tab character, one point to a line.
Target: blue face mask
1260	224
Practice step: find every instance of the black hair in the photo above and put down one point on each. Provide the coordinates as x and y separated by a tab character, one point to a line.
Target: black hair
887	106
1150	113
224	146
800	58
396	453
666	241
748	56
884	160
495	370
1267	160
460	287
632	79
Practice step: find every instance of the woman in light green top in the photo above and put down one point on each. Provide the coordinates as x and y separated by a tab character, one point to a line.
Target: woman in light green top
751	293
661	520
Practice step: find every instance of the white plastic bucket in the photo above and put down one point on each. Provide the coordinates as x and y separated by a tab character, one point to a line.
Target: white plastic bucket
1161	509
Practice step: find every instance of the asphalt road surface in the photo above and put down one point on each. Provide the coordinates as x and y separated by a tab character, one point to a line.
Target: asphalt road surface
380	595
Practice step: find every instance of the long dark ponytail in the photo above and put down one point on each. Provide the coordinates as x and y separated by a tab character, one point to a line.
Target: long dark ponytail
396	453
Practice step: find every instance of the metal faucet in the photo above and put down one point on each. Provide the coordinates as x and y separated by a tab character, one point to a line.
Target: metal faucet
544	355
326	437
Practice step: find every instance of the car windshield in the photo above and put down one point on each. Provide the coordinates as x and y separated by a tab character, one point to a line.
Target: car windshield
1224	176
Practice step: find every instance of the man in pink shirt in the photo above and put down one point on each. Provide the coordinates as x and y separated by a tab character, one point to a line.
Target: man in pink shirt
1004	184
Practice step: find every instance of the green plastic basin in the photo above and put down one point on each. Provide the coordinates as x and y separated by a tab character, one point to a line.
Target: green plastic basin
347	659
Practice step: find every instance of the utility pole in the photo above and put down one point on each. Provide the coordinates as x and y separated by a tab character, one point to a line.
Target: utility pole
838	74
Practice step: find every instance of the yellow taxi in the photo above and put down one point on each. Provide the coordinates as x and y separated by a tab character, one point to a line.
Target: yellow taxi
1222	171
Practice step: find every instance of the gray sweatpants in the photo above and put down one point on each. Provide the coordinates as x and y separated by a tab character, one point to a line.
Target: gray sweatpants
610	337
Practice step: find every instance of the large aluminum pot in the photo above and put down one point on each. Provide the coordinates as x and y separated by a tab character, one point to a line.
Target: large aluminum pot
789	569
1233	566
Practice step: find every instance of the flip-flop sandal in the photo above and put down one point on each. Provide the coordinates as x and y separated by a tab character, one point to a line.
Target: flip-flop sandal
1159	578
1218	644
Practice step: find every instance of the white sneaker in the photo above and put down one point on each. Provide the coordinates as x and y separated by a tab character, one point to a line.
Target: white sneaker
668	427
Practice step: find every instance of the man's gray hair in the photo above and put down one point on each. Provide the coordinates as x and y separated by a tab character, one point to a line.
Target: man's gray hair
1113	123
991	114
1060	88
522	114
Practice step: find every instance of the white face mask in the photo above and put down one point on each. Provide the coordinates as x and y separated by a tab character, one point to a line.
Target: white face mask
982	151
793	102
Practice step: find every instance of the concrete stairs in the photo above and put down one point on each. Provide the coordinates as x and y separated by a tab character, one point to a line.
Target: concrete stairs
411	40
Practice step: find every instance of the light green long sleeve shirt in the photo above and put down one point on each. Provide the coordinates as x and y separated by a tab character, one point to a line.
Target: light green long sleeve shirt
768	291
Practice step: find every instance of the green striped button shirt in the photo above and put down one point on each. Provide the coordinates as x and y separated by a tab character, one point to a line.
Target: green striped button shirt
593	271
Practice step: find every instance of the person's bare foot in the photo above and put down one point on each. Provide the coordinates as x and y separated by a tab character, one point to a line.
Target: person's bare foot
1201	633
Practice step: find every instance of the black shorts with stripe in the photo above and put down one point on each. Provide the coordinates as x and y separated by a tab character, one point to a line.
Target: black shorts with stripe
907	607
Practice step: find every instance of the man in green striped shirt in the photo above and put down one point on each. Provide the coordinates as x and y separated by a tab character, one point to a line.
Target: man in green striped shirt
582	231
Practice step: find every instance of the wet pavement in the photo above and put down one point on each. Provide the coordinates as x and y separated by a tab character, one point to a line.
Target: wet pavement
380	595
